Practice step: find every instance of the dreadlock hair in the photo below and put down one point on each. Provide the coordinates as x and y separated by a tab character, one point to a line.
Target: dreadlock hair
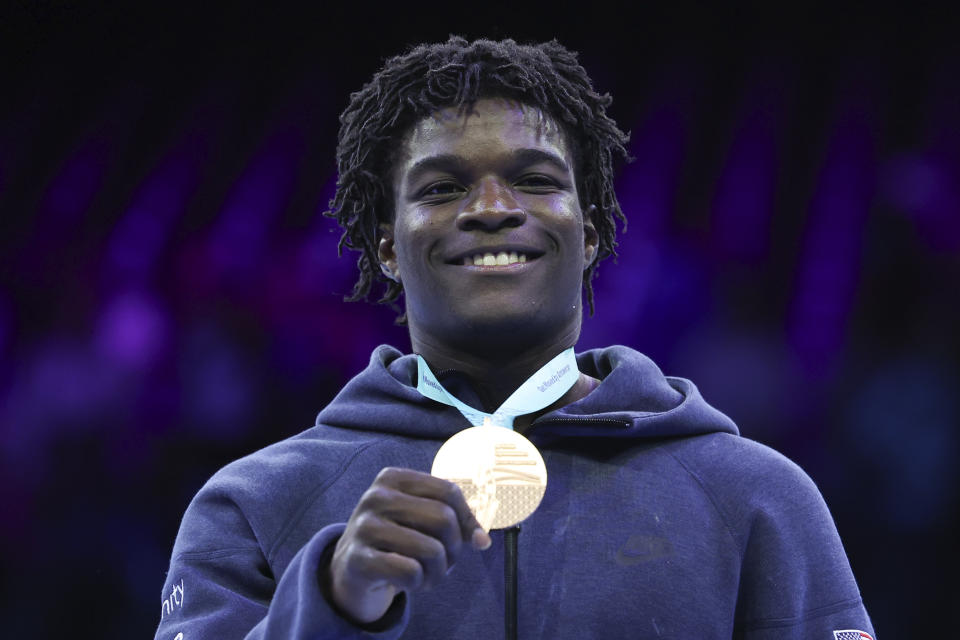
431	77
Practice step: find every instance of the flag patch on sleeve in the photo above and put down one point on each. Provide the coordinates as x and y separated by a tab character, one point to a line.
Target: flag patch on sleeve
851	634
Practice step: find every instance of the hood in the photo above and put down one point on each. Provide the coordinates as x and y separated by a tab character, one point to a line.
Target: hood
634	400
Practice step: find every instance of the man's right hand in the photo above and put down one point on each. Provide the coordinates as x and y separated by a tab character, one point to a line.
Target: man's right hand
405	533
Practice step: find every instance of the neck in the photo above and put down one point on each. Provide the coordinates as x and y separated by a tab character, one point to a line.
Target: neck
496	372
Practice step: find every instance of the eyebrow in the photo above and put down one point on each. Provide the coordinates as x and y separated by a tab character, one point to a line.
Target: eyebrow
449	161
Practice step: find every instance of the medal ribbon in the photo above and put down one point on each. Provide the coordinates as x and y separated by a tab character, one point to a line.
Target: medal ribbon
540	390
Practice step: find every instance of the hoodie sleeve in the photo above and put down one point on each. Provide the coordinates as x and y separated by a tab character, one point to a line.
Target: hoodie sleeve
795	579
220	585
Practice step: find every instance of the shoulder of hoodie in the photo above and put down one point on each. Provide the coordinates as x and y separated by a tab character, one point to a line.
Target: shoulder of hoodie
255	496
746	480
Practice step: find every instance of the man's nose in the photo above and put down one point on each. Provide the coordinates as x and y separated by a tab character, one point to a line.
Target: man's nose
491	206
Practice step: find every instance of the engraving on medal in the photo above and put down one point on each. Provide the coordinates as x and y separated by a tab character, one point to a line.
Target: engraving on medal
501	474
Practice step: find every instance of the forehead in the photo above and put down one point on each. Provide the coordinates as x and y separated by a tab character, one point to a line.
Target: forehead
488	128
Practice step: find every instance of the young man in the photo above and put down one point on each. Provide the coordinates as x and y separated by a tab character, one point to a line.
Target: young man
476	178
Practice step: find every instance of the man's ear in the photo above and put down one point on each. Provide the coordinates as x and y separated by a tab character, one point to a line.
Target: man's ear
591	239
387	253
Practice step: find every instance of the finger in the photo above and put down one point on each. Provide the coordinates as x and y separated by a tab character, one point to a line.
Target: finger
431	517
426	486
374	566
388	537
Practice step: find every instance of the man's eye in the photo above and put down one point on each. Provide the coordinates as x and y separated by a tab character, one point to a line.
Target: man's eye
537	181
441	189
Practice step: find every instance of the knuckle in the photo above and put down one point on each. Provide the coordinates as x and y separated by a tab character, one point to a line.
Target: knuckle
375	496
434	562
415	576
364	522
448	519
353	560
435	551
365	561
388	475
453	493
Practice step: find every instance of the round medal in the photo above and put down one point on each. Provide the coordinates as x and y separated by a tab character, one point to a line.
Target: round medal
501	474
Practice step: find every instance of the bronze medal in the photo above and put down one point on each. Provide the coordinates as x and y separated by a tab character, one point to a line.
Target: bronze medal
501	474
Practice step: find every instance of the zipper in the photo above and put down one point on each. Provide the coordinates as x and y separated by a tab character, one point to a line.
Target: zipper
539	422
510	582
560	421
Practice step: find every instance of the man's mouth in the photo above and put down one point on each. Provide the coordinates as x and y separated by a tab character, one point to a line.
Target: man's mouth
502	258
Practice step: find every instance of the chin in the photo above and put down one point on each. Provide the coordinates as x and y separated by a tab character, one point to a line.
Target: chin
523	327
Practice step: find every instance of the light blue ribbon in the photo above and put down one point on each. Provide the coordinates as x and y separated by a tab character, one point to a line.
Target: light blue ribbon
542	389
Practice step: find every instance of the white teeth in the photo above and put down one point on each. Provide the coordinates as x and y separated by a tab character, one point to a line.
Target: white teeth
503	258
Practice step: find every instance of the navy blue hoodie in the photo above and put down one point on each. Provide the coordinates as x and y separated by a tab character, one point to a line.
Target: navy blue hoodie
659	521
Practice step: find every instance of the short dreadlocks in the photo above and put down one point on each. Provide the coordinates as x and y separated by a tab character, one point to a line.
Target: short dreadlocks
431	77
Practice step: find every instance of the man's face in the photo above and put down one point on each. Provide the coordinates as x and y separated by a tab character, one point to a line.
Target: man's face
488	234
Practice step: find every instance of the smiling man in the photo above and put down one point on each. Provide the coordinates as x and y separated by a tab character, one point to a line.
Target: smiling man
489	242
476	180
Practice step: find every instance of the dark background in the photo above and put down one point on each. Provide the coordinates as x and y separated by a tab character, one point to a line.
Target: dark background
170	297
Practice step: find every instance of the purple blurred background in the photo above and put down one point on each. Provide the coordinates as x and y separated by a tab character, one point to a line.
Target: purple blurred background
171	299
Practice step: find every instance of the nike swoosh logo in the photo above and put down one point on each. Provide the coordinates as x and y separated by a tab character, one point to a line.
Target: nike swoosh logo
642	548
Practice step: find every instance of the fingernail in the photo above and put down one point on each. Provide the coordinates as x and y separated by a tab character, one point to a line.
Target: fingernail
481	539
